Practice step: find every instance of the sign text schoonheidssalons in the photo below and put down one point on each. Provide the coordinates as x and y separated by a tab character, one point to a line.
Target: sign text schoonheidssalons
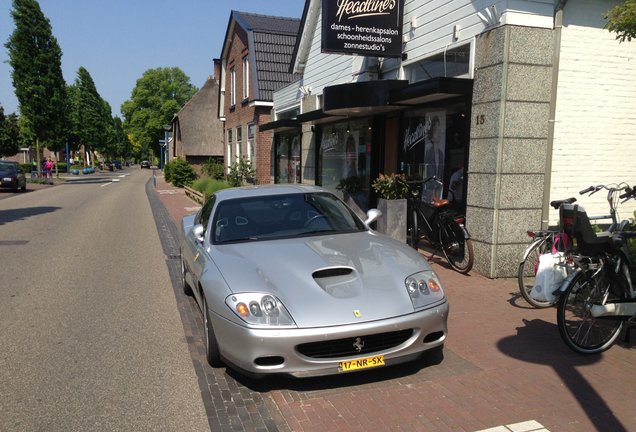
363	27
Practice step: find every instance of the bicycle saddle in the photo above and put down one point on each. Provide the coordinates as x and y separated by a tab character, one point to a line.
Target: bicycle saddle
439	202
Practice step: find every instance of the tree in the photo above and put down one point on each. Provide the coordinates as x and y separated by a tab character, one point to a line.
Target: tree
157	96
622	20
9	134
89	114
35	58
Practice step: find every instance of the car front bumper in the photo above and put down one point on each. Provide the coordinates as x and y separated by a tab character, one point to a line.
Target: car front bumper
275	351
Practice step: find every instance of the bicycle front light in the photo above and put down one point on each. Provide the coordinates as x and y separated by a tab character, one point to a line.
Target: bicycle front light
424	288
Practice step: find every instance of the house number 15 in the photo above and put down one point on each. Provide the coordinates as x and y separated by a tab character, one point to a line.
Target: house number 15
480	119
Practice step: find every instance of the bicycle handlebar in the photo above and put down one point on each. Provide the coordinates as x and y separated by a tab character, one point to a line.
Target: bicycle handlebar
629	193
584	191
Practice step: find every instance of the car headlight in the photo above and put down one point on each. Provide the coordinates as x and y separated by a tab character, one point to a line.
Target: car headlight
424	288
260	309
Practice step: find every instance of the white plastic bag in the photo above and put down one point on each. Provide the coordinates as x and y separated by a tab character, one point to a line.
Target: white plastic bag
550	273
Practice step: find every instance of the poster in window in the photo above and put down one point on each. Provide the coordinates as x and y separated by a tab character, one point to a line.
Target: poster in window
434	154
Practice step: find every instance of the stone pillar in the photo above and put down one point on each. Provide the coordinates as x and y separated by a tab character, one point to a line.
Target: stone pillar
308	142
508	144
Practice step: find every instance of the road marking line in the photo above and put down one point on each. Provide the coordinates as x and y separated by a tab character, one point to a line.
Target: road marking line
527	426
105	184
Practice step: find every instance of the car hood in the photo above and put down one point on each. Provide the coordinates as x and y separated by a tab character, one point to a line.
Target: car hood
325	280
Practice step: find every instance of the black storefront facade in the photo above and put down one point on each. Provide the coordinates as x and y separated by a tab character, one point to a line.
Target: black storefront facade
383	126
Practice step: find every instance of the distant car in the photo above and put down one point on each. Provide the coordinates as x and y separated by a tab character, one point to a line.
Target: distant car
12	176
117	164
145	164
290	281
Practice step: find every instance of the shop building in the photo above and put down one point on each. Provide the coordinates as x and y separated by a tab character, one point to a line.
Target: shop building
512	105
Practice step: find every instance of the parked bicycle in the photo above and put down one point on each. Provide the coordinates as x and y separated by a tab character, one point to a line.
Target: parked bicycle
598	298
543	242
442	226
555	241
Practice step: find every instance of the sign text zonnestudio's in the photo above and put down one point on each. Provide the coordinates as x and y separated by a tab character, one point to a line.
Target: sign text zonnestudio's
364	27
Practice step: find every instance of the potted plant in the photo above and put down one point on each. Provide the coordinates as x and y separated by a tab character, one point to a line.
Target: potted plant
392	190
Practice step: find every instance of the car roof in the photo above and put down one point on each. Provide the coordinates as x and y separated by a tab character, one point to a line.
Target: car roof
266	190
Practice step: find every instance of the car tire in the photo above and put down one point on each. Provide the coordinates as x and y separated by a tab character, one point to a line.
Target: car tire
187	290
211	346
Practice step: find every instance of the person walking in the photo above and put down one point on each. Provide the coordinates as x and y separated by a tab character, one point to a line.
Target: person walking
48	168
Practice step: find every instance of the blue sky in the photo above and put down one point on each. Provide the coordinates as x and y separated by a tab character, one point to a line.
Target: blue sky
118	40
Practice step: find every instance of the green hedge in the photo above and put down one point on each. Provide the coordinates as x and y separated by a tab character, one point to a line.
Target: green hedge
207	186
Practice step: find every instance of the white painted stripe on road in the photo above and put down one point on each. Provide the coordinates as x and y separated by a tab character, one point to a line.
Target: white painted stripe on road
105	184
115	180
124	175
527	426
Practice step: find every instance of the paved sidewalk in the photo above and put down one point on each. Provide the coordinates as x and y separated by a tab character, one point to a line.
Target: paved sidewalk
505	368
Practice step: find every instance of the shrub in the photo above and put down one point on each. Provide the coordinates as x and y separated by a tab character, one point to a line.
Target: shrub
391	186
207	186
241	173
179	173
214	169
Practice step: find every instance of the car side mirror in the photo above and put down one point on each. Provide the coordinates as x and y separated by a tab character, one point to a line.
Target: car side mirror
372	216
198	232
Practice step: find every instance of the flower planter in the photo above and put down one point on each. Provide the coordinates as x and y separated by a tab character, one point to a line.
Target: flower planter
393	220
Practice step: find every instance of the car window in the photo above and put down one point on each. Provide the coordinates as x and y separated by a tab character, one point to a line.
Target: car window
203	216
278	216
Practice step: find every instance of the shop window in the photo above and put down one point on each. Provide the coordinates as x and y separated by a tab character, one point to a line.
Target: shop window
287	158
345	156
454	62
434	143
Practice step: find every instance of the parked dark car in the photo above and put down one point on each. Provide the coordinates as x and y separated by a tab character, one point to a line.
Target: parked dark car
12	176
117	164
145	164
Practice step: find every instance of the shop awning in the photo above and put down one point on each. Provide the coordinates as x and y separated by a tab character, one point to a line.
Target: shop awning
317	117
361	98
431	90
283	125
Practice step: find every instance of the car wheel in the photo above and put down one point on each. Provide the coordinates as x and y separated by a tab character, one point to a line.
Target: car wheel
211	346
187	290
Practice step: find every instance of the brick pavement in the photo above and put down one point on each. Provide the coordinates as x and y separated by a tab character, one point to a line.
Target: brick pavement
503	364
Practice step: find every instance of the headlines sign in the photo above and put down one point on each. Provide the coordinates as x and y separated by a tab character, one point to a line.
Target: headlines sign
370	28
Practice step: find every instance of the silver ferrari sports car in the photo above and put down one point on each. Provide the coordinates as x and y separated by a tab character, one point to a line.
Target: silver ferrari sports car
290	281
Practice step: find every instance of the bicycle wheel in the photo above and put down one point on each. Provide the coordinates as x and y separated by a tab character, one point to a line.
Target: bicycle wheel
528	270
582	332
457	249
413	234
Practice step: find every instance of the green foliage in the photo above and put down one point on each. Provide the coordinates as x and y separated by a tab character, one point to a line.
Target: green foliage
179	173
89	113
9	134
351	184
157	96
391	186
214	169
241	173
35	58
622	20
207	186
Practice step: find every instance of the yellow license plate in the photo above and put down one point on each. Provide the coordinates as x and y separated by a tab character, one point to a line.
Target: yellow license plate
363	363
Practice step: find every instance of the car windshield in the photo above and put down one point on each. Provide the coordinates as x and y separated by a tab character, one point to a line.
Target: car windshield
7	166
282	216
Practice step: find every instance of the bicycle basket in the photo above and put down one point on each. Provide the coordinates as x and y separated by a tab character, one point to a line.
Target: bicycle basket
574	222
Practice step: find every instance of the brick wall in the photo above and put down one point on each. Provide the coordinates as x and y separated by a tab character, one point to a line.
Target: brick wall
595	121
241	113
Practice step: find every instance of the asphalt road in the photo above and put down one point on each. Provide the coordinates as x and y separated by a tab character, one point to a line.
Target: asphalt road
90	335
